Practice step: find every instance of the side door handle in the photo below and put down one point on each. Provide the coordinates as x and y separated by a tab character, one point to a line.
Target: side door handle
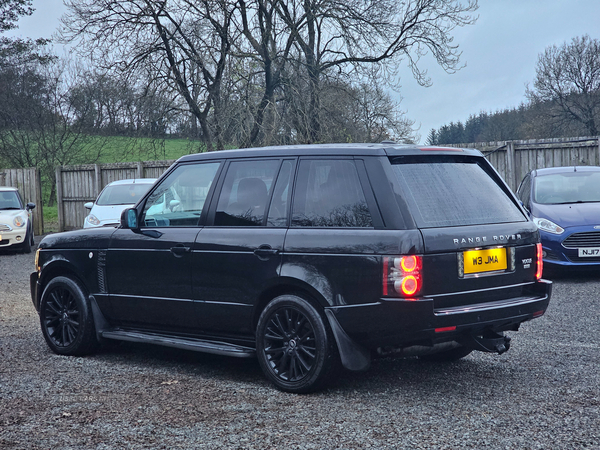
179	250
265	251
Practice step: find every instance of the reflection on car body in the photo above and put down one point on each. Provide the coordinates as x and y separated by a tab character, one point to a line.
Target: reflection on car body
310	258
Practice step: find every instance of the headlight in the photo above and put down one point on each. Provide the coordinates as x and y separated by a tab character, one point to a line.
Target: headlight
37	260
548	226
93	219
19	221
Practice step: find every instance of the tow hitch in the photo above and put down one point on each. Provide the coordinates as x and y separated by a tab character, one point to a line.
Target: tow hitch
490	342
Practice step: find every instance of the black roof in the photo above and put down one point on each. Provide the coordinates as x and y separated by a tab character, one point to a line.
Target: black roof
381	149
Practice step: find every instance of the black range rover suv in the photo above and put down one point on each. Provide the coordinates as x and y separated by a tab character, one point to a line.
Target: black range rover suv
307	257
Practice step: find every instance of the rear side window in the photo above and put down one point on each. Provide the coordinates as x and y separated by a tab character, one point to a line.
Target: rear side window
447	194
245	194
329	194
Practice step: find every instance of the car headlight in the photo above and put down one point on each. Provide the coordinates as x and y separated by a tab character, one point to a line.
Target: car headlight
548	226
93	219
19	221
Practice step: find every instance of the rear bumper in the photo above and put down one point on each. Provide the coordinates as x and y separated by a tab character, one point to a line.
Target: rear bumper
395	322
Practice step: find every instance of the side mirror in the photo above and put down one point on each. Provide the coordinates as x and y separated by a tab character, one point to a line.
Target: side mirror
89	205
30	206
129	219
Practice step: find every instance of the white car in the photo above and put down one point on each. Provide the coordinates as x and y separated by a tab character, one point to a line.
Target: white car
16	227
114	198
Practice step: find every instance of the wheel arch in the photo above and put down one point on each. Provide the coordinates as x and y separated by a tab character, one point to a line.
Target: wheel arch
286	285
59	266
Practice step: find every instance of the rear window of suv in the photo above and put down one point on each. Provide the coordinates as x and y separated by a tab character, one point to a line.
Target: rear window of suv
447	194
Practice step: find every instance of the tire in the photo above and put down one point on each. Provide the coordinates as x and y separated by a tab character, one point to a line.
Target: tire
295	347
448	356
66	318
27	242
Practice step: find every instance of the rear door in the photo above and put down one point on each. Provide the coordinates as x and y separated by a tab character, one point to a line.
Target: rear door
237	256
331	244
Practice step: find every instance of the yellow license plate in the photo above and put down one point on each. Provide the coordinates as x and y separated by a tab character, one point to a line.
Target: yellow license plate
477	261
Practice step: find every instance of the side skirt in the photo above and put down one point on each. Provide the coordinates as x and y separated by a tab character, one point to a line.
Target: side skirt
198	345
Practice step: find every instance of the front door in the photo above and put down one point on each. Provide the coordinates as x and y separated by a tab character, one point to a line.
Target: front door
149	269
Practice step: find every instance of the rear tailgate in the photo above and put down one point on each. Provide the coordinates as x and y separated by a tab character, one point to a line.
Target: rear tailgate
477	264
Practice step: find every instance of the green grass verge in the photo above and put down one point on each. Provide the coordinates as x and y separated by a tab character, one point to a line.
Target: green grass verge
50	219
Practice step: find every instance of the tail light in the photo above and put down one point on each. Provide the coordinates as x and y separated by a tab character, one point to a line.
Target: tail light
402	276
540	263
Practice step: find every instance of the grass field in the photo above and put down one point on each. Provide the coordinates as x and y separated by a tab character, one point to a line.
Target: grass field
125	149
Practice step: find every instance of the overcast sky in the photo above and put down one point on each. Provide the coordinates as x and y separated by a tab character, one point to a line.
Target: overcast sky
500	52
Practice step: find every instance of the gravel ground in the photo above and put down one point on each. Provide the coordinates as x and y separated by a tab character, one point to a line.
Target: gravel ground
542	394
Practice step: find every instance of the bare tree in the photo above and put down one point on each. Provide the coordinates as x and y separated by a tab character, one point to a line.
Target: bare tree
186	41
568	82
266	52
358	35
36	121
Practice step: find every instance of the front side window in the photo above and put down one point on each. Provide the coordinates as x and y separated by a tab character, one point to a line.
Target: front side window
245	194
447	194
179	199
524	190
329	194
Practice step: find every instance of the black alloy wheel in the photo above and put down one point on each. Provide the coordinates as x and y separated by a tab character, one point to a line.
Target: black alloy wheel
66	319
295	347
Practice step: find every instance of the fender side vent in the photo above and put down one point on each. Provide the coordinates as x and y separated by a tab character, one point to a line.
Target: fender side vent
102	272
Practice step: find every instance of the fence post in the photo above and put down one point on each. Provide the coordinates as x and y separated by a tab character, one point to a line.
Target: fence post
97	181
59	199
39	209
511	165
140	169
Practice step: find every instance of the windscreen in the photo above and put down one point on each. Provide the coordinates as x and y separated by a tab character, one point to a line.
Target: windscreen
123	194
572	187
10	200
446	194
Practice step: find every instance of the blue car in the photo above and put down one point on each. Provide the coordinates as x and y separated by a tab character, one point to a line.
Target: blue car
564	203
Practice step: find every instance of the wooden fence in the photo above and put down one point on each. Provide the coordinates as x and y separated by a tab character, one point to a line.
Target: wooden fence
29	183
514	159
77	185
